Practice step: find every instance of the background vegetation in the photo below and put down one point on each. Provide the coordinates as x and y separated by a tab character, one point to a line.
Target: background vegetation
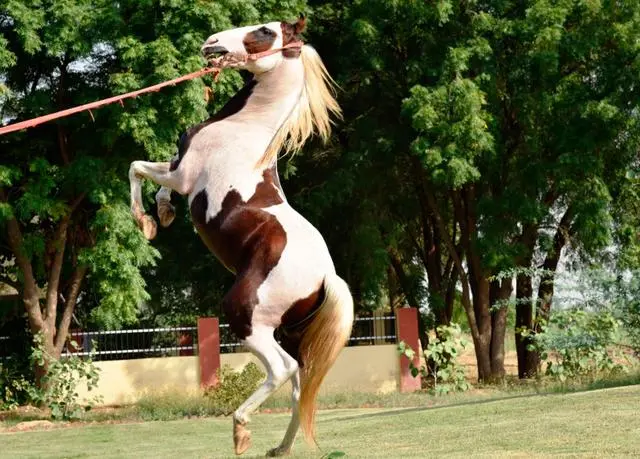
486	146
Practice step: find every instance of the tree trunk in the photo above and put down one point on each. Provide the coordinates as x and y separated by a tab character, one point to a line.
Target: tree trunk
546	289
44	323
69	307
527	359
499	292
483	343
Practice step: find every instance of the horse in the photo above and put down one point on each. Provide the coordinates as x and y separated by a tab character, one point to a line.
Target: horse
227	166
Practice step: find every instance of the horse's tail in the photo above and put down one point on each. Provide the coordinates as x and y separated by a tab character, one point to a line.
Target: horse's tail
321	343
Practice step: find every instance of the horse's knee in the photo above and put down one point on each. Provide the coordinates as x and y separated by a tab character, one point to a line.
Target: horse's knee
134	171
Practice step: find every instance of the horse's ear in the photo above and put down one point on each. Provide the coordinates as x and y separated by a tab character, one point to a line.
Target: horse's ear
300	24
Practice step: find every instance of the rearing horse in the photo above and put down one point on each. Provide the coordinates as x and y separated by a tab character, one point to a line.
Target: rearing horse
227	166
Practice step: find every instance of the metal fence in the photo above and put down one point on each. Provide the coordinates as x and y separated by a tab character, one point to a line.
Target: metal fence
373	330
366	331
180	341
133	344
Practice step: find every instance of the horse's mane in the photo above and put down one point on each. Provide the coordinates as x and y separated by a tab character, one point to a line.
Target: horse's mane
312	113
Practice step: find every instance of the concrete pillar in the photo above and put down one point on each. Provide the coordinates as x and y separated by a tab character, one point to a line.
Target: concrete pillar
208	350
407	331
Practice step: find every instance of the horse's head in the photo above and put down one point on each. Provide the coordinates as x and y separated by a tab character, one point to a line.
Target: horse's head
236	47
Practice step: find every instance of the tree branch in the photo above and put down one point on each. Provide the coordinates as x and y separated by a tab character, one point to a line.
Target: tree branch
60	243
466	297
547	280
30	293
69	307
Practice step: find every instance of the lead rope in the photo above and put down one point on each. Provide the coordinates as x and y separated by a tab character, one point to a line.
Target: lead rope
101	103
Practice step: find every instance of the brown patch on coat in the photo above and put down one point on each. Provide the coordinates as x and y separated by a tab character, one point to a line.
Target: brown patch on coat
259	40
247	240
295	321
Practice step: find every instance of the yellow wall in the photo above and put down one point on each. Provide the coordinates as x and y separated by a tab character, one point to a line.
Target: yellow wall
358	369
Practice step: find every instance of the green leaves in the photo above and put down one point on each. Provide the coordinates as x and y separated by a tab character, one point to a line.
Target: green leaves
442	372
453	129
120	251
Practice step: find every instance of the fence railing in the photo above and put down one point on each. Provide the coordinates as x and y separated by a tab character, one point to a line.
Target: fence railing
180	341
133	344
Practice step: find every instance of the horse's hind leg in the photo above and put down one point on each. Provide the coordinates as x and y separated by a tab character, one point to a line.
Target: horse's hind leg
280	367
289	437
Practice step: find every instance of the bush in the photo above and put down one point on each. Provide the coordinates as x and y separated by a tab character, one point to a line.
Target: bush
58	386
576	343
14	387
235	387
443	373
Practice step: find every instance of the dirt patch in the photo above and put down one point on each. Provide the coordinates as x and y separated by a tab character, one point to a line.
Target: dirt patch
32	425
26	411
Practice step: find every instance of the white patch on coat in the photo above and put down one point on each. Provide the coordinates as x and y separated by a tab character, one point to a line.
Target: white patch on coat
303	265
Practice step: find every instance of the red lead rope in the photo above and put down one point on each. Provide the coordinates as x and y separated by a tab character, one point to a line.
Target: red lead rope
100	103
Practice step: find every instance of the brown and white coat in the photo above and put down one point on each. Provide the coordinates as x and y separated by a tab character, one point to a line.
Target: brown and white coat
227	166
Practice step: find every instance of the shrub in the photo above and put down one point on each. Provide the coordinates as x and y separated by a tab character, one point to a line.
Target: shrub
235	387
443	373
575	343
57	390
13	387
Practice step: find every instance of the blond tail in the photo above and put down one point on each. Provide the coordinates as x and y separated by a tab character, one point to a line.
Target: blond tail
321	343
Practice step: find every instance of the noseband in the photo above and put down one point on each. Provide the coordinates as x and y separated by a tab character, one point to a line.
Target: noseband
269	52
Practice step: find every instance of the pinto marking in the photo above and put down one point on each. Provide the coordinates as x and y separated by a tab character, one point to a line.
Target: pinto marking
285	278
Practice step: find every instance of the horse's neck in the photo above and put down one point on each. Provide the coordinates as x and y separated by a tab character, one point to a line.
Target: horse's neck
275	95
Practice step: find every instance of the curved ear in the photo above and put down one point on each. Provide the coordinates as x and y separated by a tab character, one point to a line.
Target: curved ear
300	24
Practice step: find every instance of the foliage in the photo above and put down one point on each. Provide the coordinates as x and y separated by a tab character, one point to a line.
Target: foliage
234	387
613	290
65	226
443	372
576	343
14	387
58	387
495	120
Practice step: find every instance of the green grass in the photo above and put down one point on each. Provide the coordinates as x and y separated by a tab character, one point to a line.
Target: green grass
595	424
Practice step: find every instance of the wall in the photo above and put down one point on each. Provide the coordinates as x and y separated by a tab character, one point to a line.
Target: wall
358	369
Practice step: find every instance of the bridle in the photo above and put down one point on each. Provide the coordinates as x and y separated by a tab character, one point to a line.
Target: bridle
269	52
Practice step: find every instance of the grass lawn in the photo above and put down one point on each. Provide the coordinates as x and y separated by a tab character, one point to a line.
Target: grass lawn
594	423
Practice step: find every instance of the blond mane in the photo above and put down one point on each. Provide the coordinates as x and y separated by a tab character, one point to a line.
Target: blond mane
312	113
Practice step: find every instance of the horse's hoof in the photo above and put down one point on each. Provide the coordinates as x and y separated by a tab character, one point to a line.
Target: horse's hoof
278	452
241	437
166	213
148	226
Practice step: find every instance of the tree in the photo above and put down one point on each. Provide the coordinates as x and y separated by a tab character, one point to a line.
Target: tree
489	136
64	217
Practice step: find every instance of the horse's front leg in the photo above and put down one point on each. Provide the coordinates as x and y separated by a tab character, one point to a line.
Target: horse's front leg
161	174
166	210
